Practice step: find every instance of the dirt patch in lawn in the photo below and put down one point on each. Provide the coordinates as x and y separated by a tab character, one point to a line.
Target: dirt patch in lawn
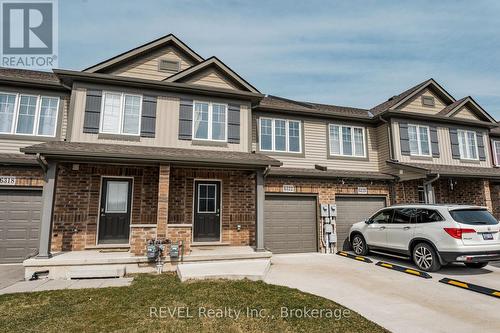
161	303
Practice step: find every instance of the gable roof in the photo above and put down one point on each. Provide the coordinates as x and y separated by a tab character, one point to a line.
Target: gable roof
495	131
451	109
169	39
212	62
397	100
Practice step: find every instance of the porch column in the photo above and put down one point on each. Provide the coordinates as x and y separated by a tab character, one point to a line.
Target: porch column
259	235
163	194
47	208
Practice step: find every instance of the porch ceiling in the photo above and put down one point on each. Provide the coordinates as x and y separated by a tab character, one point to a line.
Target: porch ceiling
128	153
449	170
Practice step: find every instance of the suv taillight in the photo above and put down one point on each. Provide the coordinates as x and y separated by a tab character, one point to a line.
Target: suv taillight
458	232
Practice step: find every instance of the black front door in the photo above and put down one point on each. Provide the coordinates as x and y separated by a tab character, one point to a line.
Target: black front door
206	211
114	222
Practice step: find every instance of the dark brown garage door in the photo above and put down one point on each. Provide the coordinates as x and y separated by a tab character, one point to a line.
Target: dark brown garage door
290	224
351	210
19	224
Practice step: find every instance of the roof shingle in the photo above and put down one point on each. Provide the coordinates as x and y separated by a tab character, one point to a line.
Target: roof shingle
28	74
452	170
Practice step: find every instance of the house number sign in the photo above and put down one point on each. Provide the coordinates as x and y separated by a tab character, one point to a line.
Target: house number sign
7	180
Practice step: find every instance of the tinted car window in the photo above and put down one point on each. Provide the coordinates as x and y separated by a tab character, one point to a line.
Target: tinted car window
403	215
383	217
428	216
473	216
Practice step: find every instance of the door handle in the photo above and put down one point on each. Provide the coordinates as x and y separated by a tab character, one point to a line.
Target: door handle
381	228
406	228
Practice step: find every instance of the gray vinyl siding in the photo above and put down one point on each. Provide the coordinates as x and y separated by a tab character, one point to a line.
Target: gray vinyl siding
315	148
445	151
167	122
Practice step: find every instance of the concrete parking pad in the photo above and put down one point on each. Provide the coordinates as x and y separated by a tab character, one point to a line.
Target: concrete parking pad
10	274
397	301
45	284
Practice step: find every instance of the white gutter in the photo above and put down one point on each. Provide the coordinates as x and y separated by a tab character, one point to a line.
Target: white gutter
429	192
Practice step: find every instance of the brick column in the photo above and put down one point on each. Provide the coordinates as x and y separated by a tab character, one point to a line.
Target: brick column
487	195
163	191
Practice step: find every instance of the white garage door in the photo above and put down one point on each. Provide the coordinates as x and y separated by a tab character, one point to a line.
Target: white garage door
19	224
290	224
351	210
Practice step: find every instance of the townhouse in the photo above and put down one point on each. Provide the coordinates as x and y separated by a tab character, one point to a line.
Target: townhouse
160	142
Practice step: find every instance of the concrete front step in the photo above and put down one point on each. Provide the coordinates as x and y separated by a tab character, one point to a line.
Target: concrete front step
255	269
90	272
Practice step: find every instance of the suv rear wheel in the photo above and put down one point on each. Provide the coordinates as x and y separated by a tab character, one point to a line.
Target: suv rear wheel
359	245
426	258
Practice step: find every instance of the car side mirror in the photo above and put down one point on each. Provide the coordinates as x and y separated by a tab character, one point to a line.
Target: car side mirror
368	221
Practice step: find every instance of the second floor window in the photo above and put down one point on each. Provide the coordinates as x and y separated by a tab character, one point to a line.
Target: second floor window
496	151
210	121
121	113
281	135
419	140
347	141
467	142
23	114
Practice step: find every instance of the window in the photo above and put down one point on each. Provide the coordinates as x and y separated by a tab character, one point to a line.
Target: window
207	197
467	143
428	101
121	113
209	121
421	194
383	217
404	215
419	140
28	114
117	197
473	216
347	141
496	151
427	216
280	135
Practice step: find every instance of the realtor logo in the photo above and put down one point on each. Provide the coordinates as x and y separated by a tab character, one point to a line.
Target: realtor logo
29	33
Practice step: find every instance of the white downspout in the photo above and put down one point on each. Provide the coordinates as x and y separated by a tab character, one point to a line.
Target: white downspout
428	190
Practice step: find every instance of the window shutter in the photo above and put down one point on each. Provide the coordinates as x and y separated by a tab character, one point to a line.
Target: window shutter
480	146
455	148
92	111
233	123
186	119
148	117
404	139
434	141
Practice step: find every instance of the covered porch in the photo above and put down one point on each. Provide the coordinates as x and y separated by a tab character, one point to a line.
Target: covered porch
103	203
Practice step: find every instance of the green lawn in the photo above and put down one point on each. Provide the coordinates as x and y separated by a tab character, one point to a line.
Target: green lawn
129	309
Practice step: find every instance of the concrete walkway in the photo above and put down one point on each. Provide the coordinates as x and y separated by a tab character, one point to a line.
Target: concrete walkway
46	284
10	274
396	301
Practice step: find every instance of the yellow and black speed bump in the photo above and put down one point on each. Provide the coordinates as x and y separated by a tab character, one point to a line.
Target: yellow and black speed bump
355	257
471	287
404	270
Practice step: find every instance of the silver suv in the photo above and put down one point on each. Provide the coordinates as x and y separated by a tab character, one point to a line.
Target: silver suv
432	235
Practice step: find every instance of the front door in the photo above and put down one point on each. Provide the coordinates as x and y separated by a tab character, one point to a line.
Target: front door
114	221
207	211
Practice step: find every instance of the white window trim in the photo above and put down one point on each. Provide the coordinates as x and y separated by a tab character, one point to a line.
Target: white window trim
106	210
496	157
287	135
210	117
36	124
341	141
419	143
122	113
462	155
215	198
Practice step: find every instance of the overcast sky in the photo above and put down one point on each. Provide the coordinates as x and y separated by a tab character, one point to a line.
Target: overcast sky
354	53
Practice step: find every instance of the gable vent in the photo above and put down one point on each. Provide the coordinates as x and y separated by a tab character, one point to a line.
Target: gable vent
167	65
428	101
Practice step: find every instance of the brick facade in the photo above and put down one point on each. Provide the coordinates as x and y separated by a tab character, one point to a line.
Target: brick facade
26	176
237	208
495	198
76	204
139	237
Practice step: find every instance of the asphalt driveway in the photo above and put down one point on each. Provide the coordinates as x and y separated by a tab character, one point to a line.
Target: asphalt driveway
396	301
10	274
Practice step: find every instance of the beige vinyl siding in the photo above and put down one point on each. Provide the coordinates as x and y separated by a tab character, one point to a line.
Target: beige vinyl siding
211	78
415	104
384	152
8	146
445	156
316	147
147	67
167	127
465	113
